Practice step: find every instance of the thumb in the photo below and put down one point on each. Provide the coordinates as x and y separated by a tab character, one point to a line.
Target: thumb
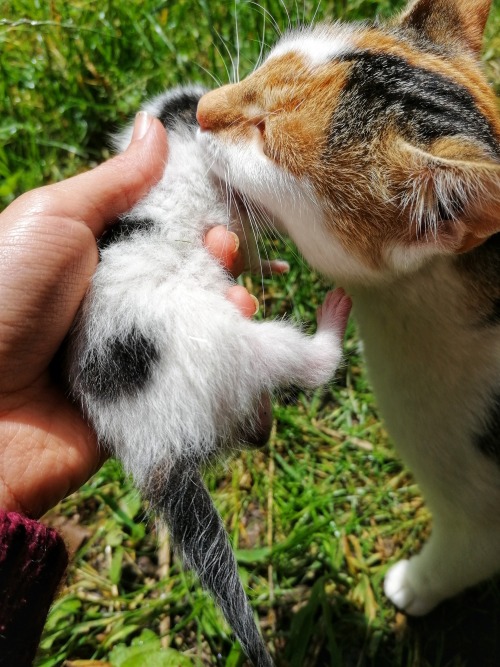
100	195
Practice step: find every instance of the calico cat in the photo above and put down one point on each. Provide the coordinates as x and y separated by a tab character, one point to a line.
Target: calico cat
169	372
376	147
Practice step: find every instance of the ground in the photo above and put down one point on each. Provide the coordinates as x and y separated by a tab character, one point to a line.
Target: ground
317	516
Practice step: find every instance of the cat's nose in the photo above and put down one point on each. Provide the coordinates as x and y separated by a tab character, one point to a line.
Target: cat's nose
214	110
208	110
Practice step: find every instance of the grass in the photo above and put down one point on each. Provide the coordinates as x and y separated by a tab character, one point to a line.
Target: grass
319	515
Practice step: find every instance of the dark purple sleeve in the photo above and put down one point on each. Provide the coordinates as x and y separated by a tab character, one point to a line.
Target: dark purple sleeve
33	559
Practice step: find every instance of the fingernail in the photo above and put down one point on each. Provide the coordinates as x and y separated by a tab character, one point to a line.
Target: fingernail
142	124
256	302
236	241
281	266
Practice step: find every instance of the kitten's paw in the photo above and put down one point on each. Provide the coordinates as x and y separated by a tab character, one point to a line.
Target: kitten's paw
403	593
334	312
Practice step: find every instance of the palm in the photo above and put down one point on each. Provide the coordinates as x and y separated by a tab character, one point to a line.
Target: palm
48	255
47	449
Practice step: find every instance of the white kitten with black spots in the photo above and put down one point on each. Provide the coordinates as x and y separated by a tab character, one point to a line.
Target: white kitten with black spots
169	372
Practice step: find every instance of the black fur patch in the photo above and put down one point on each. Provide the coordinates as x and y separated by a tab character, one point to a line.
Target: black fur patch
122	368
385	89
489	441
123	229
481	267
179	107
494	314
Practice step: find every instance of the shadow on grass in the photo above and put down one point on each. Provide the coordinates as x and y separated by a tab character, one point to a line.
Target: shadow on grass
462	632
328	631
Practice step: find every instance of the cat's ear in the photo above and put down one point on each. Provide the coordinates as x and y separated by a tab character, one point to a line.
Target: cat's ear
445	21
455	202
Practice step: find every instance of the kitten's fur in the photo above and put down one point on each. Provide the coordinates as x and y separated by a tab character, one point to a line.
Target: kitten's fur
168	370
377	148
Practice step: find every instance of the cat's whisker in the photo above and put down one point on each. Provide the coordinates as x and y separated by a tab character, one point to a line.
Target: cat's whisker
289	20
316	11
265	12
298	105
267	222
259	242
209	166
214	78
262	44
236	71
228	51
230	196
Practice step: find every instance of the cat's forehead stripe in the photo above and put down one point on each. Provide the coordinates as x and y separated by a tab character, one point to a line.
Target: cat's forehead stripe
457	68
385	87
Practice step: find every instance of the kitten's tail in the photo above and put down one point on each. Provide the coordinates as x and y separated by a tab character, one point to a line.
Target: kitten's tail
198	534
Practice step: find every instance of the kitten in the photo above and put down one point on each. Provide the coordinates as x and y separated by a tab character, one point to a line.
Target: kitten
169	372
377	149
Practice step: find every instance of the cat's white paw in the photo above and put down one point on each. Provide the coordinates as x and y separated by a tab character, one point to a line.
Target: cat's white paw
403	592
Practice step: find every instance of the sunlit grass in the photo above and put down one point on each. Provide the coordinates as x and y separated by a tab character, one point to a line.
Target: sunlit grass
317	517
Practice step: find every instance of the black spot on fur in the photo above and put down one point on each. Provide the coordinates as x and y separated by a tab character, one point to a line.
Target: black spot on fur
179	107
384	89
488	442
124	229
123	367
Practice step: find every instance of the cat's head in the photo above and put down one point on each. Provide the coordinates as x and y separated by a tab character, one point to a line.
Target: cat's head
373	146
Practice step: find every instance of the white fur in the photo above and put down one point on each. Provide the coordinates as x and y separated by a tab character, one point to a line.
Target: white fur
318	46
214	363
433	373
290	201
407	258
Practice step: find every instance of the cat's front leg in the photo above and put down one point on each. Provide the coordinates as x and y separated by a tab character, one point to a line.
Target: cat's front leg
456	557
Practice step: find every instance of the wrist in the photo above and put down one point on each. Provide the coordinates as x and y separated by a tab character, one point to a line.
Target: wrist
8	502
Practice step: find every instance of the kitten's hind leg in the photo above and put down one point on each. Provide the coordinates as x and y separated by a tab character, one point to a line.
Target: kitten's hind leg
196	529
457	556
334	312
289	357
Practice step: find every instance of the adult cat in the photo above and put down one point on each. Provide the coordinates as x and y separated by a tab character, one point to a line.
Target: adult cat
377	149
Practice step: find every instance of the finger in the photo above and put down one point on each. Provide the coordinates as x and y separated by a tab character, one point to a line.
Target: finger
99	196
247	303
274	267
224	246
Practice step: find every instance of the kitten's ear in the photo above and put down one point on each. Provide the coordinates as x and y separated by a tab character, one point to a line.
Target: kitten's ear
448	21
456	202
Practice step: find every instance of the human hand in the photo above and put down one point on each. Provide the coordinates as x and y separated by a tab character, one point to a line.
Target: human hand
48	254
